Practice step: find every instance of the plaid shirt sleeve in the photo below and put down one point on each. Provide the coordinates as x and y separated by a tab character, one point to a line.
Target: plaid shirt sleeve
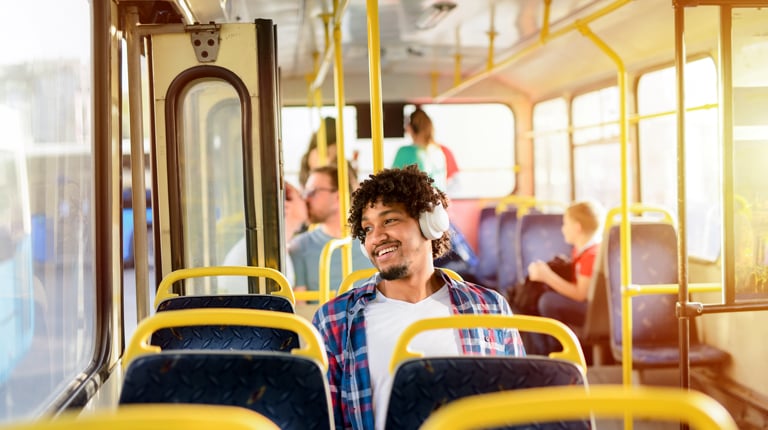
330	323
340	323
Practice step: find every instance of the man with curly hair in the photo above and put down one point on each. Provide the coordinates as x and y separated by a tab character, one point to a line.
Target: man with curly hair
400	219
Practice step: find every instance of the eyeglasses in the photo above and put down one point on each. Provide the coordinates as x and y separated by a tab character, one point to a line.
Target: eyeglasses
311	193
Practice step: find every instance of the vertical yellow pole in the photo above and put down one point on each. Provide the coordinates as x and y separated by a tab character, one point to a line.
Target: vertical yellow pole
374	78
491	36
322	133
545	21
626	257
684	321
341	160
457	58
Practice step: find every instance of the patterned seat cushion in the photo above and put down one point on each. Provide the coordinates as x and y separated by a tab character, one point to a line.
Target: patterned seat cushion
423	385
289	390
226	337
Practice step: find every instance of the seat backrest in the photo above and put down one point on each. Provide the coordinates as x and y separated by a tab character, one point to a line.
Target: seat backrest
422	384
506	270
596	326
225	336
282	287
488	244
654	261
548	404
288	388
539	237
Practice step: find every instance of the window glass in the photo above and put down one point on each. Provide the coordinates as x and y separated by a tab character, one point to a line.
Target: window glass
658	151
750	150
598	173
481	138
471	132
596	152
213	173
299	123
596	115
551	158
47	309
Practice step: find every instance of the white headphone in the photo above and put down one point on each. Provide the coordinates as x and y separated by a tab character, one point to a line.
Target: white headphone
433	224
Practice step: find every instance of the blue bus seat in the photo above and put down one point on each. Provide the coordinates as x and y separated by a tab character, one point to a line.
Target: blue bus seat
290	389
422	384
224	336
506	271
654	324
488	246
281	286
539	237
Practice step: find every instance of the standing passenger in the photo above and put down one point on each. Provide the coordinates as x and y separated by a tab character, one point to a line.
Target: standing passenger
424	152
400	218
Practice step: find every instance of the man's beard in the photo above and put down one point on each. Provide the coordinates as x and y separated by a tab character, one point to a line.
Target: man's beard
394	273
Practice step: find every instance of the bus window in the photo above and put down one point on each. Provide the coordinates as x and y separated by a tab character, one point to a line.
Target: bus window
658	151
596	151
481	137
51	299
17	297
552	167
300	122
750	150
212	173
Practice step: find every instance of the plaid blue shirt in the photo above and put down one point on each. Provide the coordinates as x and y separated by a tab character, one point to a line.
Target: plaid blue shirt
341	323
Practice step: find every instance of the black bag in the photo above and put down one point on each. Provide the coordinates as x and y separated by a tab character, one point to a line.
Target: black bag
524	298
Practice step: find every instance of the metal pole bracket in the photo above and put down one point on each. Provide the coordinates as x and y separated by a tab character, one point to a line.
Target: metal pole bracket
205	41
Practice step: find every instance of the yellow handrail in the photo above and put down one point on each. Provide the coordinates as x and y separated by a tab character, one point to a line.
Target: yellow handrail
638	208
324	271
576	402
571	348
139	343
349	280
635	290
155	417
164	289
525	203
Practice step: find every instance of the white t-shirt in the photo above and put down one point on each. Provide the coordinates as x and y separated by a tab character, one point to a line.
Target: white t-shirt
387	318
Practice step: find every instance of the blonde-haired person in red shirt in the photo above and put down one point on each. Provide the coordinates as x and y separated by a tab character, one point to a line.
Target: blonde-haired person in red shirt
567	300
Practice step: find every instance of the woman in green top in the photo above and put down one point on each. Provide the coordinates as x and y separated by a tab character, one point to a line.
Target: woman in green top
424	152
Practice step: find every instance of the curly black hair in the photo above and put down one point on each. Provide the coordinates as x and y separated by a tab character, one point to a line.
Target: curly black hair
409	186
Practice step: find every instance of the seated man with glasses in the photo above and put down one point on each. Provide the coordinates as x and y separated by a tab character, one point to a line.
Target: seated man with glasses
322	198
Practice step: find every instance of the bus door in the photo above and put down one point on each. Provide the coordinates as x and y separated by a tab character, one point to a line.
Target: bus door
215	151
